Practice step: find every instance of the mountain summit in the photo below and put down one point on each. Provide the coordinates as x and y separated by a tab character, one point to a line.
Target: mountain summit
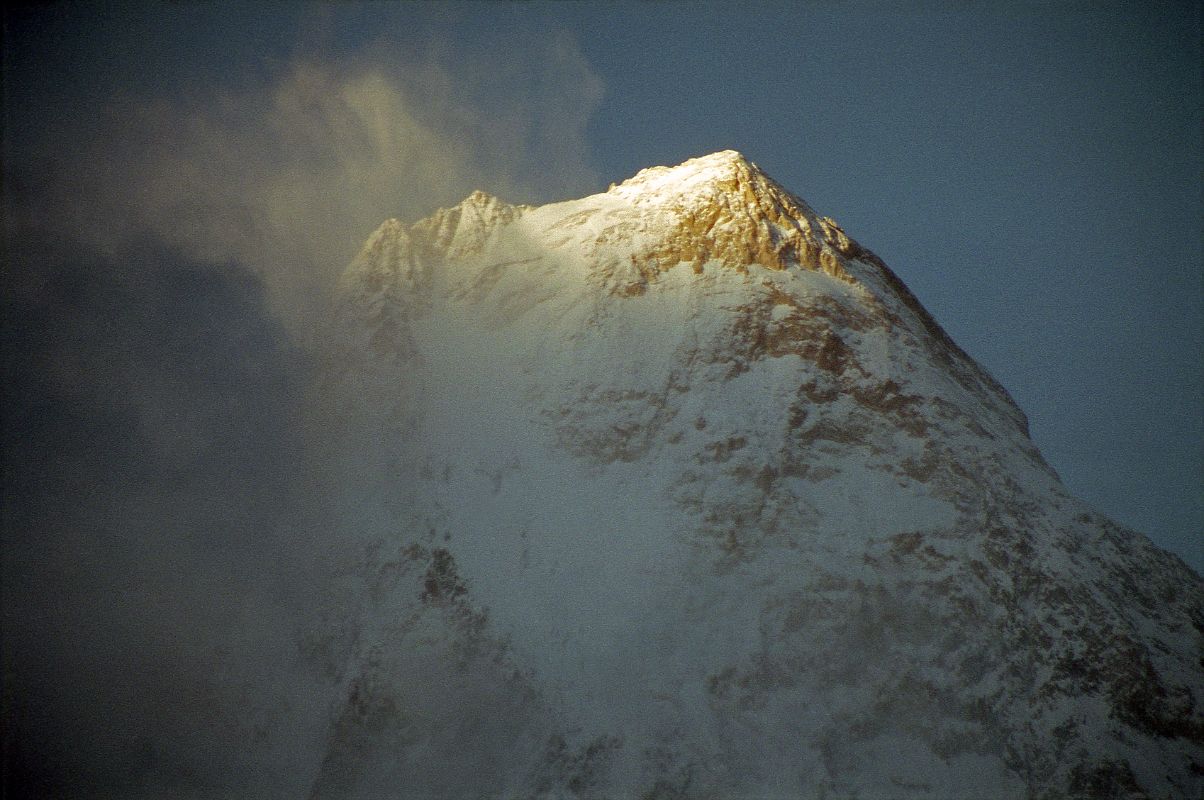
676	491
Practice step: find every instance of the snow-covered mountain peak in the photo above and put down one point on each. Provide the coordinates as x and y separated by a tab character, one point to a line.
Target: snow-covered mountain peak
390	228
725	165
709	215
483	204
725	179
465	227
720	209
675	490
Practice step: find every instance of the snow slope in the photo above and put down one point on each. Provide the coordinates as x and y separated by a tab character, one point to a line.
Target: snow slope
684	495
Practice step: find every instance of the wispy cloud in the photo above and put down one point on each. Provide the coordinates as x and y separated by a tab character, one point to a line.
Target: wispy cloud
287	176
164	533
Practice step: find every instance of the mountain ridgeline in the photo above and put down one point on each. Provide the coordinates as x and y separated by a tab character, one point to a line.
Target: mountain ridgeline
678	492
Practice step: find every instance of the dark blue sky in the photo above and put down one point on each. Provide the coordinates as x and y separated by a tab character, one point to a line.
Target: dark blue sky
1033	174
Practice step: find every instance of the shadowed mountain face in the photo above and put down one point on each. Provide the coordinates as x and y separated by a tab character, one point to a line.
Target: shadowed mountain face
688	497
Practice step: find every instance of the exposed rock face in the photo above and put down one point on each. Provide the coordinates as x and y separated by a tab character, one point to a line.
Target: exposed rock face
688	497
729	213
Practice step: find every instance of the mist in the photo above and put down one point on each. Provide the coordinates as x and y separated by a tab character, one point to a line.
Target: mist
287	175
172	549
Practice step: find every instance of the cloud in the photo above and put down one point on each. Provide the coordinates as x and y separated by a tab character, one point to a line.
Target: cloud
154	523
167	537
287	175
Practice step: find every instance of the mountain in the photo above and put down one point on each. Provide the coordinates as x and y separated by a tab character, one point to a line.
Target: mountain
676	491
